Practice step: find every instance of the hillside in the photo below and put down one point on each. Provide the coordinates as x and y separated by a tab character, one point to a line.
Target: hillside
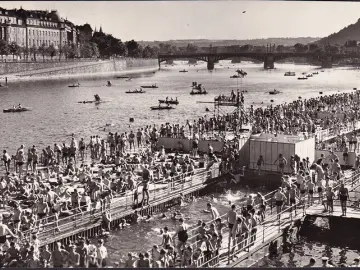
257	42
351	32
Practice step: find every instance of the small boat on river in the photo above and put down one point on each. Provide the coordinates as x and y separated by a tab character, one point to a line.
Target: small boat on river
149	86
14	110
96	101
170	101
183	70
75	85
122	77
136	91
290	73
234	76
275	92
309	75
302	78
161	107
201	92
315	73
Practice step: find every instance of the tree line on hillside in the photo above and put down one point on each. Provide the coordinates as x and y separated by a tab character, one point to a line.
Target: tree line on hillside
103	45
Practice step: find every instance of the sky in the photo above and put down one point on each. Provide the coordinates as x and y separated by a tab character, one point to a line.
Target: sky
165	20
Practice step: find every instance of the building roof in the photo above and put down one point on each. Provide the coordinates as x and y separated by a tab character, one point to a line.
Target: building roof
86	27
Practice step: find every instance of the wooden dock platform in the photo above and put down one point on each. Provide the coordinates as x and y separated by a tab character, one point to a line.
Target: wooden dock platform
89	223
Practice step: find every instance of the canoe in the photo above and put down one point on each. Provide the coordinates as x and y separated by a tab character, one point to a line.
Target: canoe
176	102
183	71
122	77
161	108
91	101
234	76
302	78
135	92
16	110
274	92
198	93
149	86
74	86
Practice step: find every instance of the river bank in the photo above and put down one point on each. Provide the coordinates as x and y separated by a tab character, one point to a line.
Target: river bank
75	70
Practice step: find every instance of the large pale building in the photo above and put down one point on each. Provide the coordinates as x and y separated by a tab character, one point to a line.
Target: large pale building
32	28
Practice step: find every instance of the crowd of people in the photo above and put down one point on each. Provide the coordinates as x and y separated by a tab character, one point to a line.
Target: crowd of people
42	186
307	115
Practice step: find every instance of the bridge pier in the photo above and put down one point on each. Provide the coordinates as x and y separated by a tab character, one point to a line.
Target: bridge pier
269	62
211	62
326	62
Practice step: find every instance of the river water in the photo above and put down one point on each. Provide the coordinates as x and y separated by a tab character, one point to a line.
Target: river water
56	115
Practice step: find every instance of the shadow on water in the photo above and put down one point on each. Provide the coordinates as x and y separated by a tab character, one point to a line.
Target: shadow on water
322	237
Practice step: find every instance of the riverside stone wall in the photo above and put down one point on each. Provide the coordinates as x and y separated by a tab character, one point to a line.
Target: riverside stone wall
74	67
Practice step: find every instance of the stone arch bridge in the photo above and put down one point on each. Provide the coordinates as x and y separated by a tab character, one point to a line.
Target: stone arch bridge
267	58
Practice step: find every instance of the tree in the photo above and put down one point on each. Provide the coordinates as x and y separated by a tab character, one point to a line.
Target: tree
313	47
351	43
43	50
147	52
280	48
14	49
74	51
51	50
25	50
133	48
4	48
155	50
300	48
118	47
65	49
86	50
95	50
33	50
191	48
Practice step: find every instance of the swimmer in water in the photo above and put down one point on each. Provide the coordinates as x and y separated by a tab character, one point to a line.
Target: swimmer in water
149	218
213	198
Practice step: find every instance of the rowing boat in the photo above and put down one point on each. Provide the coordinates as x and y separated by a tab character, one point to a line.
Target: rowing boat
198	93
12	110
161	108
175	102
135	92
149	86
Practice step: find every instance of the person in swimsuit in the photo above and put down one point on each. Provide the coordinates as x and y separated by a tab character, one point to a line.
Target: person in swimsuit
262	203
279	200
231	218
4	231
281	163
343	197
310	189
330	199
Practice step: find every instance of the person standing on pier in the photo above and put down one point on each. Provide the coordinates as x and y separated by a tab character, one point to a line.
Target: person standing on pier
343	197
145	183
213	211
279	201
7	160
181	233
281	163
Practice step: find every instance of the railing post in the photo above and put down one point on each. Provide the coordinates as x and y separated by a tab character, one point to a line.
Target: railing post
263	238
